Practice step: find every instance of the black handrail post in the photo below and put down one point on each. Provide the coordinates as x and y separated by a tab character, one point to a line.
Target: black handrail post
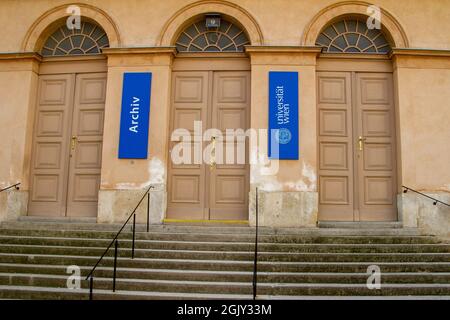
114	240
134	235
91	287
116	245
148	212
255	262
16	186
435	201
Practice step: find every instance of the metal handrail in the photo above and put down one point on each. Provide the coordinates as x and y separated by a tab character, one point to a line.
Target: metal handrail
435	201
255	260
16	186
115	240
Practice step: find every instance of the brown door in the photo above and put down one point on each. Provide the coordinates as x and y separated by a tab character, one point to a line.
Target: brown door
204	190
357	172
66	160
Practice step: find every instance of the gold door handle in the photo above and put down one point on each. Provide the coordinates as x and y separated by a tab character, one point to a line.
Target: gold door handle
73	143
361	142
212	162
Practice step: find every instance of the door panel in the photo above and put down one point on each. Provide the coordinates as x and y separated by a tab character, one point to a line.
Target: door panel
198	190
86	145
67	147
335	146
357	180
229	182
186	182
376	162
50	148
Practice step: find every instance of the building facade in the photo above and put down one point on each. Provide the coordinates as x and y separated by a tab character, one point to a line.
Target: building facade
370	108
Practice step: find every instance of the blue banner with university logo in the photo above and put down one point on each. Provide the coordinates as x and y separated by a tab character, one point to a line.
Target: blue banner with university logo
135	115
283	115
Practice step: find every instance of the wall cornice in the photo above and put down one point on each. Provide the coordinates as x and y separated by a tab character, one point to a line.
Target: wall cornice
283	49
420	52
20	56
139	50
140	56
421	58
20	61
283	55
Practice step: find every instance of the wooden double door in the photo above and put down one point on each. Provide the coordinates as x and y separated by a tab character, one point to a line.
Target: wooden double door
206	188
67	145
357	159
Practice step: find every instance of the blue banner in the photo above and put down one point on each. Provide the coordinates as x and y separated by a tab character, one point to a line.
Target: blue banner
135	115
283	115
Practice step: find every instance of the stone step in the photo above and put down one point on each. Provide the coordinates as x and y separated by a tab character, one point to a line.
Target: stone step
224	265
360	225
49	293
372	228
240	288
29	292
199	262
224	246
209	237
229	255
234	276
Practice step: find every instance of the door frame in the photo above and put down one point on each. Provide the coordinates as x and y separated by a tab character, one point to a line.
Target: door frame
362	63
206	62
73	65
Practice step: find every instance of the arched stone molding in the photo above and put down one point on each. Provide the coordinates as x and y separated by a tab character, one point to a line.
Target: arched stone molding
393	29
187	15
47	23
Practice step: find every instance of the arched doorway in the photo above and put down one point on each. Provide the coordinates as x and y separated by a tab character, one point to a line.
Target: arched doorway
356	121
211	85
68	127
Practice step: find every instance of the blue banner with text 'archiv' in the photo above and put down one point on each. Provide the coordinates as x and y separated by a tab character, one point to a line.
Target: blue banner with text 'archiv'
135	115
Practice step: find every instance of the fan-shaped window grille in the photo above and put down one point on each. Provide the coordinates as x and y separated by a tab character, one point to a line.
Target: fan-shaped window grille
89	39
227	38
352	36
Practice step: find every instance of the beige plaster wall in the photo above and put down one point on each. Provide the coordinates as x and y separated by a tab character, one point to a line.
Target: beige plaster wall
288	195
18	86
423	86
140	22
293	175
136	174
123	181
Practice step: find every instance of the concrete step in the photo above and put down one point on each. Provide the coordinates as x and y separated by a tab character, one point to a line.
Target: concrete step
359	225
230	255
241	288
29	292
49	293
231	276
224	265
216	262
228	246
210	237
62	224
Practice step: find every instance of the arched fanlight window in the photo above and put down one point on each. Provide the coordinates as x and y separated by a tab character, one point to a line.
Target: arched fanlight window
352	36
198	38
89	39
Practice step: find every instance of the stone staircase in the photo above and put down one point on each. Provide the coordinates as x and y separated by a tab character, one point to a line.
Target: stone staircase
216	262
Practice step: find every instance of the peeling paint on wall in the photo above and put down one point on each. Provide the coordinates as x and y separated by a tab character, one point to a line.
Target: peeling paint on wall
310	174
129	186
308	183
156	171
265	182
